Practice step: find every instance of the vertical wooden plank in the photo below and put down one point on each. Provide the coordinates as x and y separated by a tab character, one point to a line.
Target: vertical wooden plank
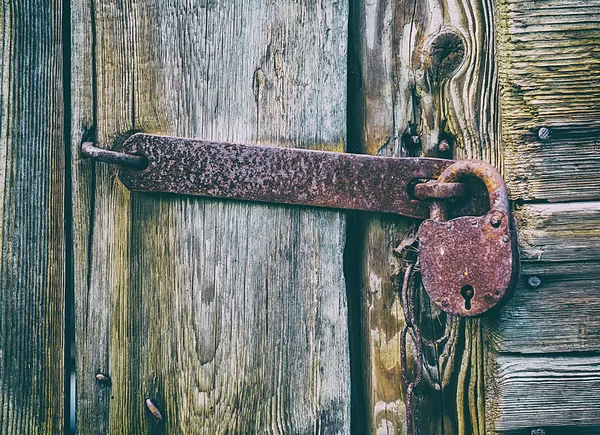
427	73
32	238
230	317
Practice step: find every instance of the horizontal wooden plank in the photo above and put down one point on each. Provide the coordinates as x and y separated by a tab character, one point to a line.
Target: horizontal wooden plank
551	233
549	71
560	247
560	430
530	392
558	316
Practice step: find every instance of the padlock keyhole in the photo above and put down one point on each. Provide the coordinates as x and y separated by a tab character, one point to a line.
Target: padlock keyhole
467	292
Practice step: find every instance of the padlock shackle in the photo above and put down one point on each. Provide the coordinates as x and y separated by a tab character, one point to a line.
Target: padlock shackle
485	172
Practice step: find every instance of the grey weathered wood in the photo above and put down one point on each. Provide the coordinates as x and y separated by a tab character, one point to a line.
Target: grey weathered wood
549	74
231	317
550	77
32	236
561	315
560	246
402	83
544	391
430	64
553	234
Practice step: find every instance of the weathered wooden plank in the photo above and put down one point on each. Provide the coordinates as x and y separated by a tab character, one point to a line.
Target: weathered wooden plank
560	430
558	313
32	236
561	315
559	233
427	70
230	317
542	391
561	311
550	77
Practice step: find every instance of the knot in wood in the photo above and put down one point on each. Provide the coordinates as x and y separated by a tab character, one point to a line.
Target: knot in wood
444	54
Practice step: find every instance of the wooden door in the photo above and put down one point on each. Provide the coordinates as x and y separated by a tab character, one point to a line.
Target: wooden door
229	317
515	83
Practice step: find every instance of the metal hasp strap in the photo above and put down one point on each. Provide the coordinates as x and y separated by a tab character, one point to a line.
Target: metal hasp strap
279	175
467	264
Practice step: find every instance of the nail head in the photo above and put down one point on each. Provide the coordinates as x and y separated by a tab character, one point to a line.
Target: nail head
153	409
102	378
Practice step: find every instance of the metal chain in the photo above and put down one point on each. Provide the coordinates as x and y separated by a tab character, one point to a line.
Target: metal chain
409	298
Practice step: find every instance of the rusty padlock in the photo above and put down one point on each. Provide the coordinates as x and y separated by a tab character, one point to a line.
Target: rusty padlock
470	263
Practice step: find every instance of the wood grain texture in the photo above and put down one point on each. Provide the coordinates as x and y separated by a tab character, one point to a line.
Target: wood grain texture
550	77
544	391
32	236
559	246
427	70
528	386
230	317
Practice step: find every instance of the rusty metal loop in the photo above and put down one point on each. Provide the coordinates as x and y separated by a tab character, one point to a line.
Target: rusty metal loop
436	190
404	365
485	172
409	318
89	150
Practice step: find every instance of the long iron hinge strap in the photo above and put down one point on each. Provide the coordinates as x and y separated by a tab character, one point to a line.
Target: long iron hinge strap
153	163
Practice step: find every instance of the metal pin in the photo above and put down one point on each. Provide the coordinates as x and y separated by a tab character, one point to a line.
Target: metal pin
153	409
91	151
435	190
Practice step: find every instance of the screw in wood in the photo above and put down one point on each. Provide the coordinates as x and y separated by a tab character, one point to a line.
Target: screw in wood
103	379
443	146
544	133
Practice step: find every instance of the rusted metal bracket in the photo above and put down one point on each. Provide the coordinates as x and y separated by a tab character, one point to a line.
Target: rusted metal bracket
151	163
468	264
